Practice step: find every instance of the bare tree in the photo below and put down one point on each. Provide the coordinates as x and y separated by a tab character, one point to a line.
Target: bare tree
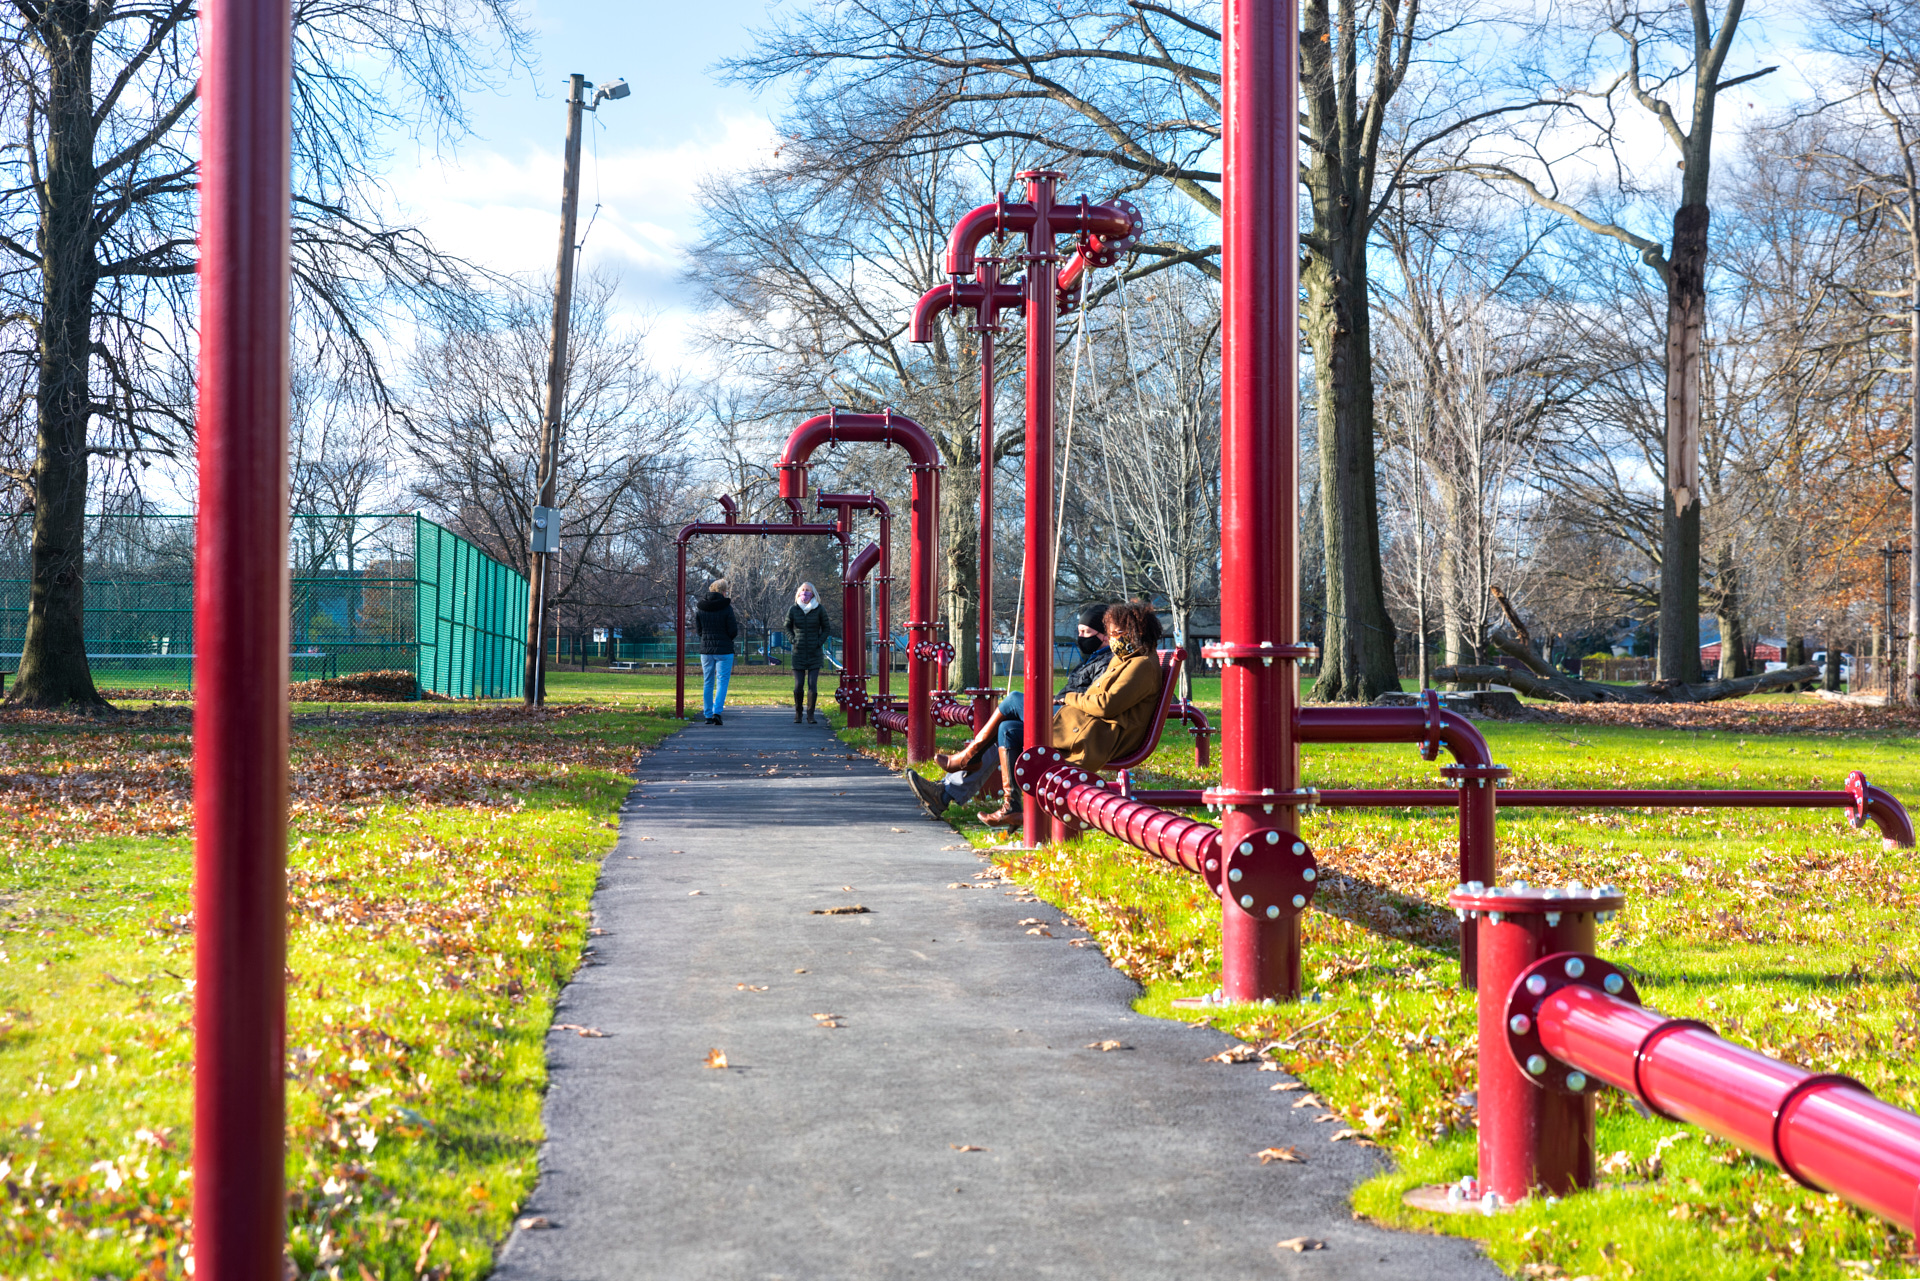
471	425
97	235
1128	92
1880	44
1665	44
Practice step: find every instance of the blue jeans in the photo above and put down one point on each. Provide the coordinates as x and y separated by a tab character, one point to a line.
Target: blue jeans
715	671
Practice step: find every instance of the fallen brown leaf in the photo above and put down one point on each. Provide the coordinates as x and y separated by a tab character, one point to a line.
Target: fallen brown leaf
1042	931
1300	1245
851	910
533	1223
1104	1046
575	1027
965	1147
750	987
1269	1155
1357	1136
716	1058
1307	1100
1235	1054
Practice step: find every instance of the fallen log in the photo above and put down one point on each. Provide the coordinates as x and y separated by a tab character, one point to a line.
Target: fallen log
1569	689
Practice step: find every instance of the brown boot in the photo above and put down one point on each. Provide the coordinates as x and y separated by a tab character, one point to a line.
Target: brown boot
961	761
1009	813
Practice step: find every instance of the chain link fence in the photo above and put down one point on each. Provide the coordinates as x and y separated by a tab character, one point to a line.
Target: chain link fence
369	593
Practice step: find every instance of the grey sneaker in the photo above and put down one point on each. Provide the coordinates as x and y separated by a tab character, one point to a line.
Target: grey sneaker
930	794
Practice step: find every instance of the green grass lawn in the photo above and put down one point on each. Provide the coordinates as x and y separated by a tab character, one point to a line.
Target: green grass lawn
1785	930
440	874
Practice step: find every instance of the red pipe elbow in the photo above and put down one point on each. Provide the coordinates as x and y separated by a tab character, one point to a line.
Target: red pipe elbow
930	305
862	564
1000	217
888	428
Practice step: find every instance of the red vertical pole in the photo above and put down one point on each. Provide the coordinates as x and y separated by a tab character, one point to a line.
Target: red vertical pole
1530	1137
240	640
986	319
1258	601
1037	626
680	635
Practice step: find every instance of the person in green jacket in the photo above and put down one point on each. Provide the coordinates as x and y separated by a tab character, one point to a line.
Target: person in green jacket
808	627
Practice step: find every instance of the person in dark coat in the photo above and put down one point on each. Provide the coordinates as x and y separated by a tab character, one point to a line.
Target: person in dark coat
808	628
1094	649
713	618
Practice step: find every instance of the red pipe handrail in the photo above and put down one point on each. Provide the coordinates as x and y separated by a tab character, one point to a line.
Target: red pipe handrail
1555	1021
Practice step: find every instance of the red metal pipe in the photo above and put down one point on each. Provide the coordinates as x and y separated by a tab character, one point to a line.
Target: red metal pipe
1037	624
1827	1131
894	429
728	526
240	634
1269	876
853	630
1474	770
987	296
1530	1136
1259	420
882	620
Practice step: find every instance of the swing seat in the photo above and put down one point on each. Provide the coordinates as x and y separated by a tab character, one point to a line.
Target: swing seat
1170	661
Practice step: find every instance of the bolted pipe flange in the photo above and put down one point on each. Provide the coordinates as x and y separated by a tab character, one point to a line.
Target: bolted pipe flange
1531	990
1430	711
1857	789
1266	798
1034	766
1264	653
1269	874
1475	775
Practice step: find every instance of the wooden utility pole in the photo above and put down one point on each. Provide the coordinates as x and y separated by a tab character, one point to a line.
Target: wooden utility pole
533	684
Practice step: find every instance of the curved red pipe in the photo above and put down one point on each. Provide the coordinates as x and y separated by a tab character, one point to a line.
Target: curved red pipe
1000	218
892	429
1433	728
853	630
882	624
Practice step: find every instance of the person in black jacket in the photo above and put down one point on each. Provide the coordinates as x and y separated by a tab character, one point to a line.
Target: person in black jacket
713	619
808	628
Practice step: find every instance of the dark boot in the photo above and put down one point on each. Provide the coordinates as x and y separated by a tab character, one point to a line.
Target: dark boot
1009	813
929	793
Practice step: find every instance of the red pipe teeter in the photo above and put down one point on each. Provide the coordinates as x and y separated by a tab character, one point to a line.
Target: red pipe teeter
1557	1022
892	429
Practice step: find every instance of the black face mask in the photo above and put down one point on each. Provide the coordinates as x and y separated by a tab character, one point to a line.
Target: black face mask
1088	644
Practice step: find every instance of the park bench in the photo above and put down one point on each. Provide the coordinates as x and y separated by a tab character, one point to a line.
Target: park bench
626	666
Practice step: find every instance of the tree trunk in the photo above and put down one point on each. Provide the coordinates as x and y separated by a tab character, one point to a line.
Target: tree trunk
1733	628
1357	654
1538	680
1679	647
960	538
53	661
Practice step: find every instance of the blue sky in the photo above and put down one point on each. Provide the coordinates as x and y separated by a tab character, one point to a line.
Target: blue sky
496	198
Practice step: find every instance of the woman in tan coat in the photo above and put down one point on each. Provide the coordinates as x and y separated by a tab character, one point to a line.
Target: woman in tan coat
1113	717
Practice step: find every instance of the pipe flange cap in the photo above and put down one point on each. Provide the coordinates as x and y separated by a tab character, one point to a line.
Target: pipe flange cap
1268	873
1530	991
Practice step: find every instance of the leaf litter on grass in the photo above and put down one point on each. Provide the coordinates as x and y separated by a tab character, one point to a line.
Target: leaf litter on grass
431	920
1783	929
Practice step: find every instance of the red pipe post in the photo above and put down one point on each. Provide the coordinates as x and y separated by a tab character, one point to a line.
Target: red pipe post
241	638
894	429
853	676
1259	608
1530	1137
882	620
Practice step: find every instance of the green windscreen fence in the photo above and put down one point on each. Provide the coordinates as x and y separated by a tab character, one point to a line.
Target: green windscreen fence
369	593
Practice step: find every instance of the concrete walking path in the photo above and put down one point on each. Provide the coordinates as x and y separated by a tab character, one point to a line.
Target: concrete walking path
948	1119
